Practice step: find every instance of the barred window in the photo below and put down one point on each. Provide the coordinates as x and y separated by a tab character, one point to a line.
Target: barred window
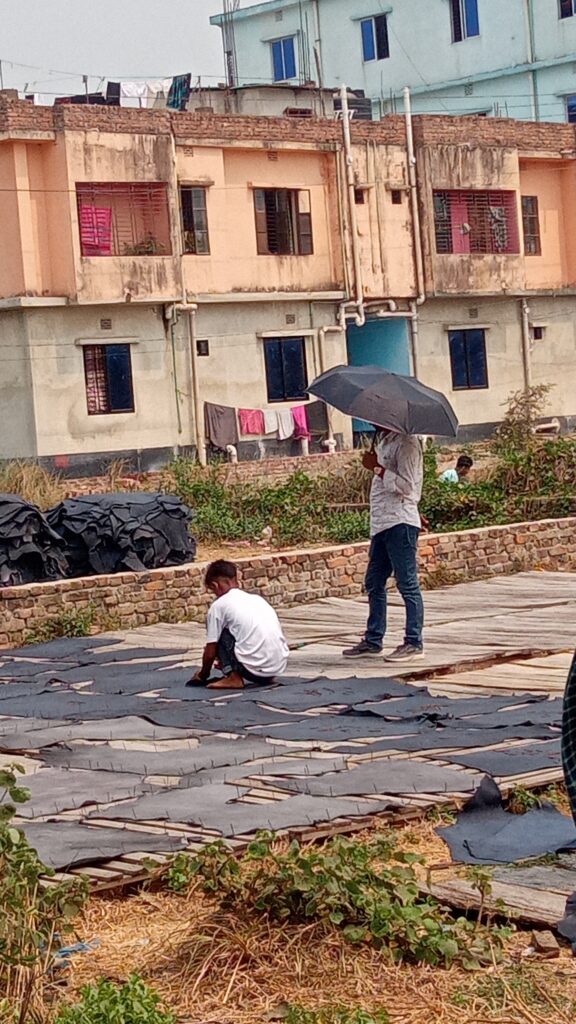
108	376
283	222
194	220
476	222
123	219
531	226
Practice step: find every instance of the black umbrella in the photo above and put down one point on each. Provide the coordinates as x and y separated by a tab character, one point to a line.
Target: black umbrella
386	399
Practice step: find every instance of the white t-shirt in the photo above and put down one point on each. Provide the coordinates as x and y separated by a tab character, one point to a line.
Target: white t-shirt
260	643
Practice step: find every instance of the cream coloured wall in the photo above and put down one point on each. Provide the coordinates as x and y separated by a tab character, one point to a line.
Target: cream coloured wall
11	264
17	424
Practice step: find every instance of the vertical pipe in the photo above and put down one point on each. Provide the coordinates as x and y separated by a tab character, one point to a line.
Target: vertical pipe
191	311
527	363
359	301
413	181
531	40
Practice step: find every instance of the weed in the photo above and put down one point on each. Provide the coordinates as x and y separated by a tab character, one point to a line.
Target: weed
105	1003
333	1015
522	800
68	623
368	890
33	917
523	410
31	482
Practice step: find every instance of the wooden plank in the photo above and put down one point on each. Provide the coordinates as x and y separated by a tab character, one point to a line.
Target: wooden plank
520	904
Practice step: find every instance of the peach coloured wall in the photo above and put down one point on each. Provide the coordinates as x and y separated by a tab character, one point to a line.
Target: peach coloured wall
234	263
569	220
11	267
545	181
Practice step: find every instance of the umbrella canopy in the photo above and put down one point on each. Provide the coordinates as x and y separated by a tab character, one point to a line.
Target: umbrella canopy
386	399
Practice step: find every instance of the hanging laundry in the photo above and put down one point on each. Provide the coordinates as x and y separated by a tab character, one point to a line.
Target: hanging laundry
300	417
134	90
270	421
179	92
251	421
285	424
113	90
317	418
221	425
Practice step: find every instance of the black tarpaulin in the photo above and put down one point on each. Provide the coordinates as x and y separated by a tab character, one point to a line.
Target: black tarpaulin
107	533
29	549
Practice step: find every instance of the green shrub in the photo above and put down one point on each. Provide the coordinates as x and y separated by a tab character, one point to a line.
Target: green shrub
33	916
333	1015
105	1003
367	890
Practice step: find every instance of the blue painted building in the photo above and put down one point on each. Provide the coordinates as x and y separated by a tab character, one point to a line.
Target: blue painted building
510	58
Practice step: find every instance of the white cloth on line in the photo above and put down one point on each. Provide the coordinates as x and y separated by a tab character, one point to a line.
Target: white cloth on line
285	424
270	421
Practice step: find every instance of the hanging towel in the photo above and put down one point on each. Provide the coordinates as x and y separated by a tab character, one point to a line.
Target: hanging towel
221	425
317	418
179	92
300	416
285	424
251	421
113	90
270	421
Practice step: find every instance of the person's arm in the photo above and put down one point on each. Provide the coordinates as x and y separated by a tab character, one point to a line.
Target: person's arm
404	481
208	659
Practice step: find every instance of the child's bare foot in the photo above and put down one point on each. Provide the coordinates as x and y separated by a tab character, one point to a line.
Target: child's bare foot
232	682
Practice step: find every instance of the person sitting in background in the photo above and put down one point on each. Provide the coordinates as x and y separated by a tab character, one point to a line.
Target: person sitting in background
460	471
242	632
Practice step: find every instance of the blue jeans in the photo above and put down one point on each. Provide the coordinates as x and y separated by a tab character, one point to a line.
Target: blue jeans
229	662
394	552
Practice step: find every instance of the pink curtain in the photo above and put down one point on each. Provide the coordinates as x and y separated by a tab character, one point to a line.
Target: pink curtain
459	216
96	231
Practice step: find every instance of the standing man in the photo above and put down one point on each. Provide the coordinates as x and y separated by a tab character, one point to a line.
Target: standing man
397	462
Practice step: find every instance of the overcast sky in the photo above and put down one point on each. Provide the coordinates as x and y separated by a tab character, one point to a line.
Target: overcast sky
117	39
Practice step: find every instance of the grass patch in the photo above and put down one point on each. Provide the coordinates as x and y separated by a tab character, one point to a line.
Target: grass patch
69	623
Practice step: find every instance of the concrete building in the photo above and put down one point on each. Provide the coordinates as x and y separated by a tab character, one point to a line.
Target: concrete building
152	262
509	58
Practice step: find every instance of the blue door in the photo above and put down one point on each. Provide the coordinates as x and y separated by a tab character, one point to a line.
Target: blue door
383	343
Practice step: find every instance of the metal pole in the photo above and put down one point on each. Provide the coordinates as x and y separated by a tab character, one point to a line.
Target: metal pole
359	301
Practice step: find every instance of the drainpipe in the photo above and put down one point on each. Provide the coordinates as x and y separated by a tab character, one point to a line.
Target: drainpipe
414	336
414	198
330	442
531	37
525	311
360	317
171	316
190	309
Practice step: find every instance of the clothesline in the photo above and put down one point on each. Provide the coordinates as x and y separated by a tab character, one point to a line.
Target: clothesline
226	426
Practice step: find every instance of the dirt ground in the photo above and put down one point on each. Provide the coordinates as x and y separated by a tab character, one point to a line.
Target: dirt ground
216	968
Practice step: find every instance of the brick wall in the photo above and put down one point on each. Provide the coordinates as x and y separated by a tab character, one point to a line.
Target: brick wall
429	129
266	470
287	578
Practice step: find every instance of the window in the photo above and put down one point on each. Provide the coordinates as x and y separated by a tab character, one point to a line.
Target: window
465	20
124	219
283	222
202	347
567	8
476	222
375	44
284	59
108	375
538	333
286	374
571	109
531	226
194	221
468	359
396	196
360	196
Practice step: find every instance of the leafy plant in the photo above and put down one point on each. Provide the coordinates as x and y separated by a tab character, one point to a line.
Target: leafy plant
105	1003
70	622
33	916
523	411
369	890
522	800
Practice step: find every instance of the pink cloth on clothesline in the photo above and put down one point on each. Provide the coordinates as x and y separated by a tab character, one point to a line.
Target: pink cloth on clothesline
251	421
300	417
